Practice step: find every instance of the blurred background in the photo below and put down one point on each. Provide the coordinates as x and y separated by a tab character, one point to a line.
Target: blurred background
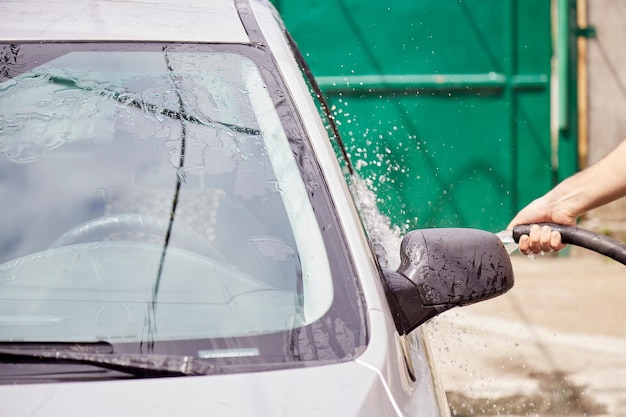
460	112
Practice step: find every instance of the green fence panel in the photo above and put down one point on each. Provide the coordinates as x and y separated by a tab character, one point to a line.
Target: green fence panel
444	105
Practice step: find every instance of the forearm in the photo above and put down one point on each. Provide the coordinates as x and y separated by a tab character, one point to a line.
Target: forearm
599	184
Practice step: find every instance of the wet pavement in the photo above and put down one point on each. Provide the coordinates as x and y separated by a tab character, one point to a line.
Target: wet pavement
553	345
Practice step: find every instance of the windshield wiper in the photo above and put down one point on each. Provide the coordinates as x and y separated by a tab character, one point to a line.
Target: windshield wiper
100	354
126	98
90	347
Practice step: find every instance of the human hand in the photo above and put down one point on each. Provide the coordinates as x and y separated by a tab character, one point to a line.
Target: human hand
541	239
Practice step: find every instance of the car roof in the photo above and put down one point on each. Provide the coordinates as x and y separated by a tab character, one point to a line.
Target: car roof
120	20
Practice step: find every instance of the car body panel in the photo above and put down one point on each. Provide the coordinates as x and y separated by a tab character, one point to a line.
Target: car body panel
428	385
151	20
356	388
377	381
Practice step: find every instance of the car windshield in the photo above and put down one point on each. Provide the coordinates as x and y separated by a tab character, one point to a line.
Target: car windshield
152	196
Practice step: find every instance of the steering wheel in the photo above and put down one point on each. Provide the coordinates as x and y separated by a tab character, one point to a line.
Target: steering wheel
95	230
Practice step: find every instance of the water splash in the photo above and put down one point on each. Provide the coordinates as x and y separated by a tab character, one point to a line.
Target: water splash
385	237
506	236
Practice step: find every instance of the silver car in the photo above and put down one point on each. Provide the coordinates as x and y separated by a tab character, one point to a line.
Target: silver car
177	235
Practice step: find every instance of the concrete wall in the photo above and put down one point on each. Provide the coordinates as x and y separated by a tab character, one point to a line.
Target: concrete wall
606	66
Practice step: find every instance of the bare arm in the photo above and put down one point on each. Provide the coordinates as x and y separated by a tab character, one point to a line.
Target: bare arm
599	184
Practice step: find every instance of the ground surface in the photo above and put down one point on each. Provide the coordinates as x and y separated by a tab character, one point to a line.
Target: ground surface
554	345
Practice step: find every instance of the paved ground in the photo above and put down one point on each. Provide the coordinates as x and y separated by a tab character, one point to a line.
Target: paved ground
553	345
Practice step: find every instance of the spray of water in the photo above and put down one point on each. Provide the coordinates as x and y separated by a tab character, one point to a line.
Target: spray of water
385	237
507	239
506	236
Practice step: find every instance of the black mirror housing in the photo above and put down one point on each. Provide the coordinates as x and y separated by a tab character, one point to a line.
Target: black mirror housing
445	268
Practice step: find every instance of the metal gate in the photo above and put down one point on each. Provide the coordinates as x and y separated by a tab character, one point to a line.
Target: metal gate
444	104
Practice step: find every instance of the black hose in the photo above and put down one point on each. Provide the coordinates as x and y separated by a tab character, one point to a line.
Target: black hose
573	235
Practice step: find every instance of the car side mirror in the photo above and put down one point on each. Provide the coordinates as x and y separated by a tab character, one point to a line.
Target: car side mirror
445	268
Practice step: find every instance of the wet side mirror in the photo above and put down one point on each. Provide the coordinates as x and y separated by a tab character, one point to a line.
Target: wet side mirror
445	268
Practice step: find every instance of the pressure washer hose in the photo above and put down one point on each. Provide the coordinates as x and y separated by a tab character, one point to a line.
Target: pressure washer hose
573	235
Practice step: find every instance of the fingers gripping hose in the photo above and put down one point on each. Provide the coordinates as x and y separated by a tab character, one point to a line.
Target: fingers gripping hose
581	237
